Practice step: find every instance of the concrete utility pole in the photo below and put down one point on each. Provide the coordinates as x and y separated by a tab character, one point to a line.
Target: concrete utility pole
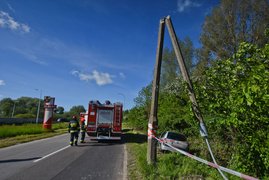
184	72
13	109
38	109
152	148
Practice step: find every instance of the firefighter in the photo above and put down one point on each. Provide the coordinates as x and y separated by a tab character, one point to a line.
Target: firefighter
82	129
73	129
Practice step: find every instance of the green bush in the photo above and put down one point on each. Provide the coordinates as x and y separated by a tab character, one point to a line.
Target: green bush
237	91
25	116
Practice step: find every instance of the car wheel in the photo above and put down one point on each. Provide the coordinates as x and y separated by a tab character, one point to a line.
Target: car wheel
160	147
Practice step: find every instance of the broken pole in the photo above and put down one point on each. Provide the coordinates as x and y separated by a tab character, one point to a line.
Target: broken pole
183	70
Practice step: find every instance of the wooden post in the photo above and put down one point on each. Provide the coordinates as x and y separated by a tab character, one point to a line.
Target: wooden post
186	77
152	142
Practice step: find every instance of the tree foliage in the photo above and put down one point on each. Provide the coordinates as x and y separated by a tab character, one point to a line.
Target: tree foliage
7	109
22	105
173	114
26	107
239	93
144	96
59	110
138	117
171	74
75	111
232	22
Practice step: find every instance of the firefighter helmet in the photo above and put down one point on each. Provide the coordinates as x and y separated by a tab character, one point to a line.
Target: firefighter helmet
74	117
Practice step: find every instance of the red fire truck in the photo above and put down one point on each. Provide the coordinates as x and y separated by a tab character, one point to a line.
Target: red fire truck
104	121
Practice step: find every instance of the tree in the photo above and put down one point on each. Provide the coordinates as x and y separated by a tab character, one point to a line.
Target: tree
188	52
170	68
202	62
4	108
24	105
173	114
59	110
7	109
138	117
170	73
144	96
232	22
144	99
239	93
76	110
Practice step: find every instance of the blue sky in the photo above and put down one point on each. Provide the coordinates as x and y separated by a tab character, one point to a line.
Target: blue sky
82	50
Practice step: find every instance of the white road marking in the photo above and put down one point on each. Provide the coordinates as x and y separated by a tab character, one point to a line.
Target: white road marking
51	154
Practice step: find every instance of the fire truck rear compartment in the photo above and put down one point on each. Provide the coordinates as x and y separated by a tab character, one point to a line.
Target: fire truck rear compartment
103	131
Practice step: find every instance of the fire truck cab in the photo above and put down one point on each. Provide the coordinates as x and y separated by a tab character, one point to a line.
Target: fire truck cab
104	121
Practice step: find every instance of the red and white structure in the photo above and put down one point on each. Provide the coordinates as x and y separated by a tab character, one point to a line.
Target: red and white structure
48	115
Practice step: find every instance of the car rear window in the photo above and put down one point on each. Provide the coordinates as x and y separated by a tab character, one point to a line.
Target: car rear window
175	136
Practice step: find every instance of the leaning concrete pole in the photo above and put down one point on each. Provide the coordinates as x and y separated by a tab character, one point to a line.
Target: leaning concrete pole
183	69
153	122
184	72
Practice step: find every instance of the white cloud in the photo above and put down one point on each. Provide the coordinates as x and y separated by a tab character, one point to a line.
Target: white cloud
25	28
8	22
183	4
2	83
122	75
10	7
99	78
29	55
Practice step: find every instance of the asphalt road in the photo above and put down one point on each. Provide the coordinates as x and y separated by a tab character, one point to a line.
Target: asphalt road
53	158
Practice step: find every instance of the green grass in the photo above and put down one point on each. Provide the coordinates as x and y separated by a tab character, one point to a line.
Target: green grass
169	165
15	134
15	130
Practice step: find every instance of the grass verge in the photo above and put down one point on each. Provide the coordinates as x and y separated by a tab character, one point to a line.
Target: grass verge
168	165
15	134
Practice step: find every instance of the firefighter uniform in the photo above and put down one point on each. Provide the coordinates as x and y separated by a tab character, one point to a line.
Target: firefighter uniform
73	129
82	130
